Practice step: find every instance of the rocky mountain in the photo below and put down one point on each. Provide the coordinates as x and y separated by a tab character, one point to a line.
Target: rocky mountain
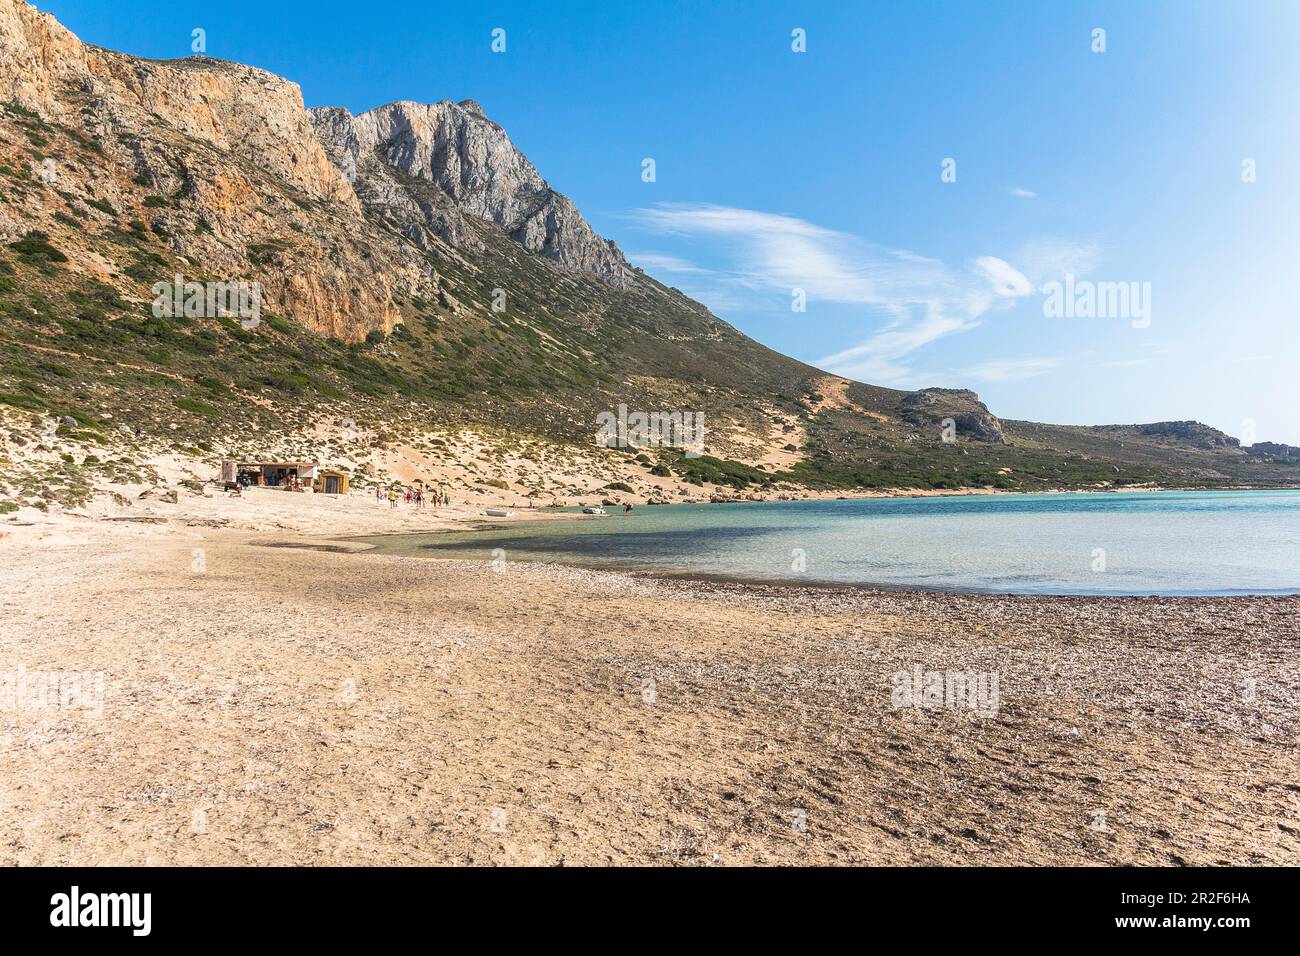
477	171
418	275
1191	433
219	160
970	416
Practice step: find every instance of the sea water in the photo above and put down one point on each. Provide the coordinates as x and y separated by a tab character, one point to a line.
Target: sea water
1199	542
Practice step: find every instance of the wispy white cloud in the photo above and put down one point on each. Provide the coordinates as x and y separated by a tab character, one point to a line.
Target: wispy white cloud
1124	363
907	255
1009	370
721	291
1008	281
1050	258
664	262
783	252
921	299
1022	193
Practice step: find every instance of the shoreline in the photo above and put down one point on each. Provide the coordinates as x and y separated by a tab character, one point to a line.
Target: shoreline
662	573
377	543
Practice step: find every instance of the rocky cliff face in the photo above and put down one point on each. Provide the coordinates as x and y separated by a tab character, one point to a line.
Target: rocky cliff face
1192	433
1271	449
474	165
218	161
930	406
226	105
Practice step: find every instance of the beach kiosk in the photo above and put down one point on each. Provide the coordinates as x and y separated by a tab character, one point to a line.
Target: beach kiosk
285	475
330	481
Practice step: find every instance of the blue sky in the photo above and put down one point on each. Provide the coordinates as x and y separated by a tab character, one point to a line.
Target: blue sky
821	171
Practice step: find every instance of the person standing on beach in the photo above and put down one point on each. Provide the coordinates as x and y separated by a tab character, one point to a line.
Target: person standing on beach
392	498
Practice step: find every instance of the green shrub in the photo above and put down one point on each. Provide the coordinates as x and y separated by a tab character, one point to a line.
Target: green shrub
198	408
17	109
29	403
35	249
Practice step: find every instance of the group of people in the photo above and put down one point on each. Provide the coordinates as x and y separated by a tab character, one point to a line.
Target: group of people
413	496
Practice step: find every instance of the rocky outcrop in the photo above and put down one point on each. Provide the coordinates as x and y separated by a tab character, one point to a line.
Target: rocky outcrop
1276	450
930	406
1193	433
473	164
226	105
217	161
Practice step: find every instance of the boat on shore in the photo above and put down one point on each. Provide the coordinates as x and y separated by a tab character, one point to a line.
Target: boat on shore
498	513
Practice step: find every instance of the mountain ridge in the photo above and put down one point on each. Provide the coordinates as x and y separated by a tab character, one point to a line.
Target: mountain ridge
472	160
418	274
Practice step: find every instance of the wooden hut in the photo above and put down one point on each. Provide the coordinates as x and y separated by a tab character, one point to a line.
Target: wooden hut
331	482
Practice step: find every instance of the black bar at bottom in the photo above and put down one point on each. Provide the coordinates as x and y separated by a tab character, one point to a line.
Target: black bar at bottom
333	906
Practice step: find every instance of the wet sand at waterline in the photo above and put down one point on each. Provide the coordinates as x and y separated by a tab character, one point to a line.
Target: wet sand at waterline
313	704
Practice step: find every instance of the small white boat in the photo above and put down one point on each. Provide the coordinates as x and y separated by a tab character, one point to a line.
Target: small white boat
498	513
593	511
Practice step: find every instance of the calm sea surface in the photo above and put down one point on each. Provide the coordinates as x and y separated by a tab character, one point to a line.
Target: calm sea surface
1221	542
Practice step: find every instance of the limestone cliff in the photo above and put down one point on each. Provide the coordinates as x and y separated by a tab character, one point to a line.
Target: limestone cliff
473	163
220	159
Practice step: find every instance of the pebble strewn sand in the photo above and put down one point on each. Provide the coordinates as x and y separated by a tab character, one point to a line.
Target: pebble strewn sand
290	705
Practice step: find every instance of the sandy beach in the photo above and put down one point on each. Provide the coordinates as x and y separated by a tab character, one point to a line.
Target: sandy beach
272	695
